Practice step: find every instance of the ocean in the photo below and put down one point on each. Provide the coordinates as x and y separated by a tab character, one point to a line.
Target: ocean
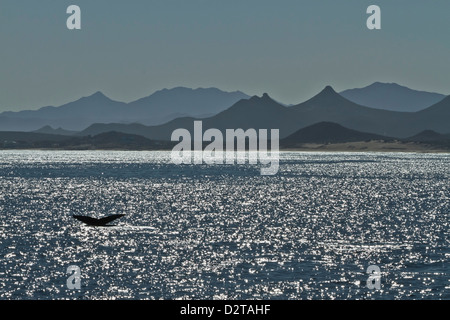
224	231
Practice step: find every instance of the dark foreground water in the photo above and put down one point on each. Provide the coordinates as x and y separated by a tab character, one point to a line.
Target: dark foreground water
224	232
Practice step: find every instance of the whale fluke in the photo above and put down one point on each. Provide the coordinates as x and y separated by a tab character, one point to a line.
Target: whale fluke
98	222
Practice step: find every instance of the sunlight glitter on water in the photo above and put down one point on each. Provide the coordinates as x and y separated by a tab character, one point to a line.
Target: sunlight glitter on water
211	231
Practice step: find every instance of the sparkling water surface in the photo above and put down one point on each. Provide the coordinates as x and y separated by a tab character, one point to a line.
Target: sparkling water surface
224	231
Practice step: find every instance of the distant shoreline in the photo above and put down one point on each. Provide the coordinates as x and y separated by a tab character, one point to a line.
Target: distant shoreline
360	147
372	146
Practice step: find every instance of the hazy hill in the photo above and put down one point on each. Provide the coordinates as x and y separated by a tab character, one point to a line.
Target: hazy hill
75	115
428	136
329	106
166	105
391	96
328	132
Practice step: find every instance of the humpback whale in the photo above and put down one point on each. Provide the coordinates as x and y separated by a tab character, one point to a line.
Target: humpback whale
102	222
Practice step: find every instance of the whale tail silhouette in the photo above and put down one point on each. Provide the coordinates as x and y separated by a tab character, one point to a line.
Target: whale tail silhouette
98	222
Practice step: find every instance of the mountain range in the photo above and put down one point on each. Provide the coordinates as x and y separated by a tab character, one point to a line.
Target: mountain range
168	104
265	113
160	107
222	110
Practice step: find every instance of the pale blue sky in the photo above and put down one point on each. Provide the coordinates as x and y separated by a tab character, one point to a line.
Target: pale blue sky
288	48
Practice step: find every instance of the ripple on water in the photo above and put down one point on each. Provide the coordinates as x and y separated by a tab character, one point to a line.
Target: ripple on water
215	232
